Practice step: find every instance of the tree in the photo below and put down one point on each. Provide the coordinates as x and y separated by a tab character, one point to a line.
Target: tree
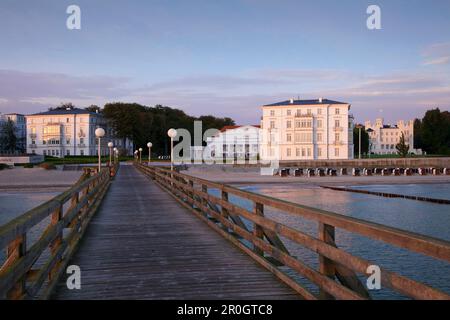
435	132
8	138
142	124
418	143
63	106
364	140
402	147
93	108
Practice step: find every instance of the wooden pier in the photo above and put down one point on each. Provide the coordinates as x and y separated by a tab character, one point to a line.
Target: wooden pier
161	234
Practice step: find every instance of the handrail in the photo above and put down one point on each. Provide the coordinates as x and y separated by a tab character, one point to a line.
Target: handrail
266	246
20	276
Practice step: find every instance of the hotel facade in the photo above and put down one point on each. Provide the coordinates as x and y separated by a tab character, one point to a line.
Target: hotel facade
235	143
69	132
383	138
306	130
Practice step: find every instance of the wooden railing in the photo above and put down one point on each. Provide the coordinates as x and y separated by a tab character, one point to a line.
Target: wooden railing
336	276
32	271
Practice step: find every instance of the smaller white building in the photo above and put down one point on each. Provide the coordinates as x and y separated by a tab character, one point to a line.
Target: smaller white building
383	138
235	143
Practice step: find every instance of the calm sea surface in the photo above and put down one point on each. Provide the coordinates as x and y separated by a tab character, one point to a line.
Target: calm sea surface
416	216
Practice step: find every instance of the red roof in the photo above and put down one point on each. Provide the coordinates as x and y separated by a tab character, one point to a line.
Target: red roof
235	127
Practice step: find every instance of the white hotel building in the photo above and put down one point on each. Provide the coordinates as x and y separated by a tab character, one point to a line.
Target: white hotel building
69	132
383	138
235	143
306	130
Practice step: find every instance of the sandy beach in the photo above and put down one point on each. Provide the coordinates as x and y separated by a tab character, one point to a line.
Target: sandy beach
230	175
32	179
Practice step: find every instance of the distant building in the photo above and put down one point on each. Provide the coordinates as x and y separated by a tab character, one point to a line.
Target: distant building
21	129
235	143
68	132
383	138
307	129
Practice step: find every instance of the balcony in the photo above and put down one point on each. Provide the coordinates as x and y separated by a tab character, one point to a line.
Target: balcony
81	145
338	129
338	143
32	146
33	135
299	115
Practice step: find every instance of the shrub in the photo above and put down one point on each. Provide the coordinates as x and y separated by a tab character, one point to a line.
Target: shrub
3	166
28	165
47	166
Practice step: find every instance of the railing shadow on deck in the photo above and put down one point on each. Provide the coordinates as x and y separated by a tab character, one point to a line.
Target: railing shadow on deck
337	275
20	276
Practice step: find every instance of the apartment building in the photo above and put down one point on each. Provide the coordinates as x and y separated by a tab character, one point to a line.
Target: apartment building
70	131
383	137
306	129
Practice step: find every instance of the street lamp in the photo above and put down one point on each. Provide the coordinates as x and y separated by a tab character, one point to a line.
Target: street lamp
99	133
110	145
115	154
140	155
136	154
359	145
172	133
149	145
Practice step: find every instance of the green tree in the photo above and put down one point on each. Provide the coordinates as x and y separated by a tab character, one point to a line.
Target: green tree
8	138
62	106
364	141
435	132
418	144
402	147
93	108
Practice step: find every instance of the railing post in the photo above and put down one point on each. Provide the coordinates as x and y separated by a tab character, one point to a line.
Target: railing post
191	193
326	266
56	244
257	230
204	200
17	249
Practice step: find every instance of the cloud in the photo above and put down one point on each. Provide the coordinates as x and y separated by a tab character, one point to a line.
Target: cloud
401	94
437	54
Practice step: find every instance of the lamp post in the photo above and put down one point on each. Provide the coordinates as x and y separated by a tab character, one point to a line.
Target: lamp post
110	146
99	133
140	155
359	143
149	145
115	154
172	133
136	154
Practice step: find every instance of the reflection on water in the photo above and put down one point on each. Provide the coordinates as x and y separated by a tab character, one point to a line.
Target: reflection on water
439	191
420	217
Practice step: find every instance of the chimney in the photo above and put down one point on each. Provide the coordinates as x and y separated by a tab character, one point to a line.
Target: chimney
291	101
320	100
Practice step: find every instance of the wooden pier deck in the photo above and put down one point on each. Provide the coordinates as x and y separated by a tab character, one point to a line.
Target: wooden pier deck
142	244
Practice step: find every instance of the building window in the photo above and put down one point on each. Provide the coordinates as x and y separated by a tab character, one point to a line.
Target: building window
289	137
45	152
337	137
297	152
337	123
288	152
309	152
319	123
272	113
288	112
336	152
319	152
336	111
289	124
319	111
319	137
308	112
67	141
67	120
272	124
297	124
303	152
82	152
68	153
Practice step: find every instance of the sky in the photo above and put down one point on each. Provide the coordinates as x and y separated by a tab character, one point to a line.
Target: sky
226	58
